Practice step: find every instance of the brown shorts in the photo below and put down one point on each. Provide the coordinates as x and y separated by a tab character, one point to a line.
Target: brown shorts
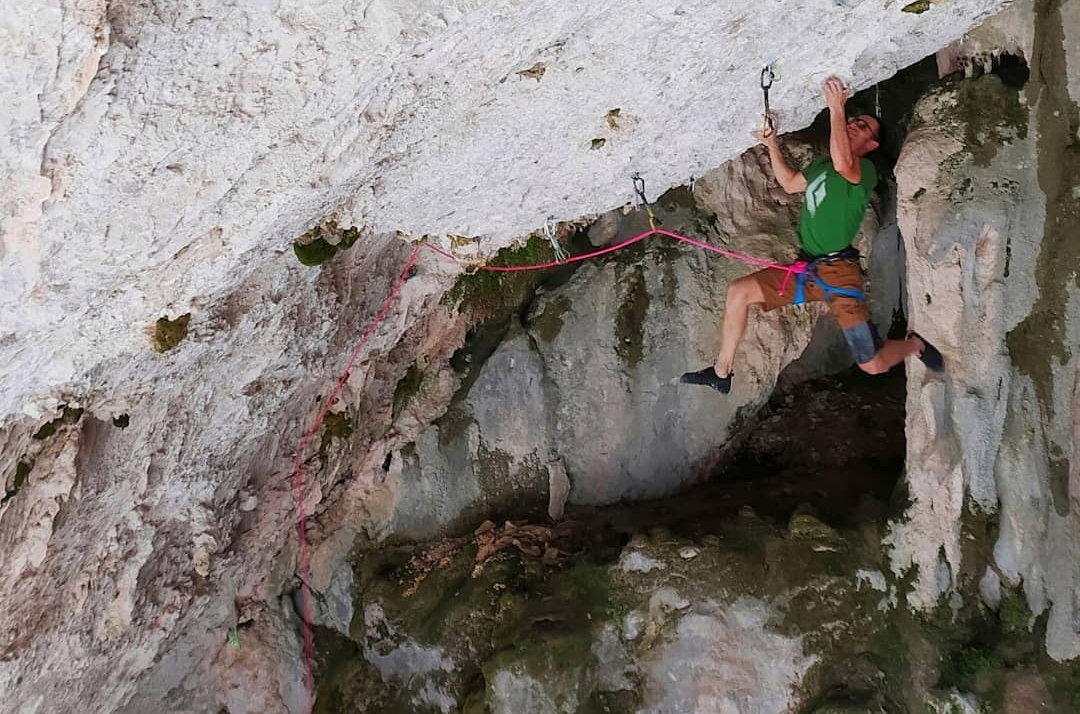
851	313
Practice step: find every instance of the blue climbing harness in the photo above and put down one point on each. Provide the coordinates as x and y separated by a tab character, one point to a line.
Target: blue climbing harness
827	290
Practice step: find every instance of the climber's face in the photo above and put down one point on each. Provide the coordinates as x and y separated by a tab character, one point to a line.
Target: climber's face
864	132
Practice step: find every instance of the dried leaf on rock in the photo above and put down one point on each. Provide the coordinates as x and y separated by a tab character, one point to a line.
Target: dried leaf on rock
438	556
549	544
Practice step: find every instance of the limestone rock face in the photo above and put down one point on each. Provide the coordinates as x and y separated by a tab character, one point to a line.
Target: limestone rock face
589	379
157	162
717	632
619	418
147	505
488	452
724	658
987	198
154	158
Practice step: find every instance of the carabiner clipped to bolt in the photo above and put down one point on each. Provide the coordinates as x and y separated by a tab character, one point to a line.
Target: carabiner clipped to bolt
639	191
767	79
552	236
640	200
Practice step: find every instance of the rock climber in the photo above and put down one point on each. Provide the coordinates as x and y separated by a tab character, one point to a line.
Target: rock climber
837	189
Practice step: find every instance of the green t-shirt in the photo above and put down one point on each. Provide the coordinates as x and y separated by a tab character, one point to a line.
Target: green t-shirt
833	208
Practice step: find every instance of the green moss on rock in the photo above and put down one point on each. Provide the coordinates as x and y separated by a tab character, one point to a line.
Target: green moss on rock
323	242
315	252
69	415
407	388
336	425
170	333
1014	614
972	669
485	293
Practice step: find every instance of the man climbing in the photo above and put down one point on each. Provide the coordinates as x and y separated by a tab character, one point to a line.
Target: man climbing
838	189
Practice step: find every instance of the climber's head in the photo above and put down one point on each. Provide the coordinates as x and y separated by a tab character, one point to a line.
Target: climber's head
864	133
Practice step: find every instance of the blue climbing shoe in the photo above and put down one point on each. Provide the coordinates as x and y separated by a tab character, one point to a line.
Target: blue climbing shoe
929	355
709	378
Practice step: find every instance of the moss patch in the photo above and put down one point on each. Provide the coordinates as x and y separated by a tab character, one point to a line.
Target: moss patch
316	252
1014	614
22	472
630	318
1037	345
170	333
69	415
918	7
323	242
486	293
970	669
407	388
336	425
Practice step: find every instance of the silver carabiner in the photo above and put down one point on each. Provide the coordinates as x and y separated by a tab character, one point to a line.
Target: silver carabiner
767	77
639	190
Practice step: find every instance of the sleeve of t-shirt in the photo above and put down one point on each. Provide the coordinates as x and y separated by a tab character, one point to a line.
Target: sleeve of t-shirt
814	164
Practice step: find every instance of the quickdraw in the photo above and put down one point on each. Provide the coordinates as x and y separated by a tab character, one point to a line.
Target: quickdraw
767	79
640	200
550	232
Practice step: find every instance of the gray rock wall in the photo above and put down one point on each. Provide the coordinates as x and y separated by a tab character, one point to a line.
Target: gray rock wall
988	207
590	379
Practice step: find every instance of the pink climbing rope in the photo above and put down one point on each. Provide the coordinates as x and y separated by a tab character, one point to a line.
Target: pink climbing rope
553	264
298	468
612	248
298	482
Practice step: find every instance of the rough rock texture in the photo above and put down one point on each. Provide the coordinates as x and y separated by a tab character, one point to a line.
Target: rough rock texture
154	158
694	603
709	624
590	377
725	659
989	206
123	541
158	161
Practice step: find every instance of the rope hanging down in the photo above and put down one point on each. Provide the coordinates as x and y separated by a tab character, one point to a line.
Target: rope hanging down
303	557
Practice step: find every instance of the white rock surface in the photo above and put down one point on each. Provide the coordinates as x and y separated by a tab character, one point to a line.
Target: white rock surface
153	157
106	610
725	659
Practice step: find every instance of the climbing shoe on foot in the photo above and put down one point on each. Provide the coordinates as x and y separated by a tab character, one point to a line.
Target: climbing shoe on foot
930	355
709	378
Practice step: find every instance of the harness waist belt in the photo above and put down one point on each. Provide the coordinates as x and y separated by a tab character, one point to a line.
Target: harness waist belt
848	253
